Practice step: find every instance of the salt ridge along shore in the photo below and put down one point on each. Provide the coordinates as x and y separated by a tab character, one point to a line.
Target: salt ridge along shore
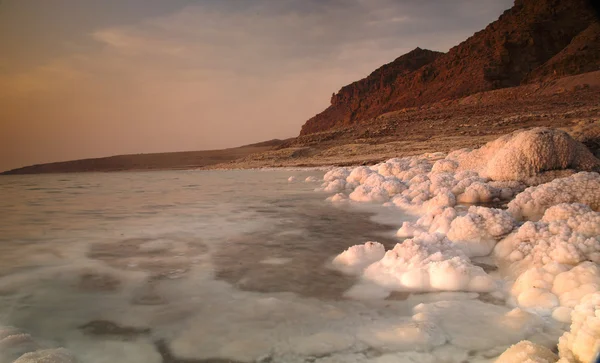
545	244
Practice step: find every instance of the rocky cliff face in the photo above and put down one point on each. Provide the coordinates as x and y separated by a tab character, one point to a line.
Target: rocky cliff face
580	56
534	40
366	98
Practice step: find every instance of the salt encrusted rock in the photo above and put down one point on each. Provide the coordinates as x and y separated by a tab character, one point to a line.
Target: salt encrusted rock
365	193
570	240
359	175
527	352
555	261
582	188
476	232
428	262
436	221
336	173
582	342
59	355
549	263
525	153
357	258
14	343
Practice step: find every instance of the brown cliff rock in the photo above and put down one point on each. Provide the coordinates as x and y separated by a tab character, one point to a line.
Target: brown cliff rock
582	55
526	37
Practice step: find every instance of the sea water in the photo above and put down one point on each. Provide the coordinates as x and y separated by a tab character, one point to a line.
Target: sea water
209	266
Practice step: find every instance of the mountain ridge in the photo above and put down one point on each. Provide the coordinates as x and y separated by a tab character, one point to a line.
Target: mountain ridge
503	54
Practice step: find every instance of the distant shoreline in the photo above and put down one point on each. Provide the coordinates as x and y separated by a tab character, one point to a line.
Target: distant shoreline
569	103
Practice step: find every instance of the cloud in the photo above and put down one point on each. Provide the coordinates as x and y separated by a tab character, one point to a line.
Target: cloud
215	74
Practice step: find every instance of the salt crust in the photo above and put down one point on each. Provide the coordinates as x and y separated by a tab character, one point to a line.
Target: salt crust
546	244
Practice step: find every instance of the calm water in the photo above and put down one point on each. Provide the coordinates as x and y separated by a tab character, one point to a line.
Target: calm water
182	266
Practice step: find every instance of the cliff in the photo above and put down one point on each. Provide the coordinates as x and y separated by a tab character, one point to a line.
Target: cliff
534	40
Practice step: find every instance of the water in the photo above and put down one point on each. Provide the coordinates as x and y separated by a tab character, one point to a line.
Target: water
212	266
130	259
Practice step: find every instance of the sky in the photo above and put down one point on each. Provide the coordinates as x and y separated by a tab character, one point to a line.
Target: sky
87	78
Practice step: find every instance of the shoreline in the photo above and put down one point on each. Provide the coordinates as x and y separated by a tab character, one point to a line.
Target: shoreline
569	104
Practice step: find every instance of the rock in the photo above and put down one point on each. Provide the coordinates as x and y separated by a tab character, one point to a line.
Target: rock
527	153
534	40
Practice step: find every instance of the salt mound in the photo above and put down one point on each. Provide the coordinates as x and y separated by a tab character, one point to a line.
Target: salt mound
365	193
566	234
336	173
476	232
428	262
527	352
582	188
548	264
554	289
357	258
59	355
525	153
19	347
14	343
582	342
555	261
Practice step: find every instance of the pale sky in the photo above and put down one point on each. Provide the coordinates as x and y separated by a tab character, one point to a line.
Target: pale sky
88	78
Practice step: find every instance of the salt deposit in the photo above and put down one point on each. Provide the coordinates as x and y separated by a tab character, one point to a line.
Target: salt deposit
582	342
527	352
546	244
523	154
475	325
357	258
582	188
566	234
477	231
47	356
428	262
14	343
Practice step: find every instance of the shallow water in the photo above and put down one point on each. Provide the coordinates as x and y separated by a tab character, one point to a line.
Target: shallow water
92	259
214	266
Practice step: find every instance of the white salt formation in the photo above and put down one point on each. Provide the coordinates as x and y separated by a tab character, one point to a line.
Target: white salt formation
357	258
567	234
523	154
47	356
582	188
19	347
477	231
527	352
555	261
582	342
546	244
428	262
14	343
